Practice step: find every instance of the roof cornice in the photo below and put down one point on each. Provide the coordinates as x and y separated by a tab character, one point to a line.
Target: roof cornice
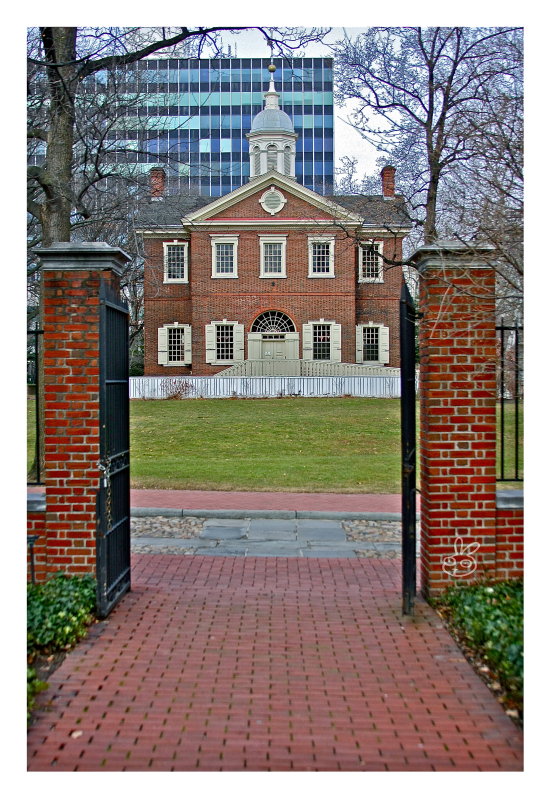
184	230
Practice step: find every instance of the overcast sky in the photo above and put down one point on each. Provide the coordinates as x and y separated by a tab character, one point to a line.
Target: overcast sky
348	142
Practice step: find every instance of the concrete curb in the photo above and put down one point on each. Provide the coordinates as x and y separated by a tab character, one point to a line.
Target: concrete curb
231	513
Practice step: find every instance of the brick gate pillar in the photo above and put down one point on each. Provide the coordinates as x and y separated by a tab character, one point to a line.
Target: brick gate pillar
457	345
71	278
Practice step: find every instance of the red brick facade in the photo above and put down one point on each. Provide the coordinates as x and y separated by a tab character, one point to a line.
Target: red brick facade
203	299
509	543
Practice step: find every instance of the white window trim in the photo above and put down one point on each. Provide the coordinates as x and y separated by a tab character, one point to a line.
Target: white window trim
166	246
216	239
211	342
383	344
163	345
322	240
273	239
379	247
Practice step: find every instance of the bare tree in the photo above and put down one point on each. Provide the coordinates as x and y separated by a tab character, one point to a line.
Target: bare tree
422	96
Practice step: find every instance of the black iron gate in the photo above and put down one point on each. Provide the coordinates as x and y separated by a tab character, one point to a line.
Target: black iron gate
113	529
408	447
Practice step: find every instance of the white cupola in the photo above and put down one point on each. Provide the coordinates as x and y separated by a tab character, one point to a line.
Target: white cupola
272	138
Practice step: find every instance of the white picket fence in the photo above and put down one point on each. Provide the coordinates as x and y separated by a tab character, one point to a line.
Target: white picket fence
159	388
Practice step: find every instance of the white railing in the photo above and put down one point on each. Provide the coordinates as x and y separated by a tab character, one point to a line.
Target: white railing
159	388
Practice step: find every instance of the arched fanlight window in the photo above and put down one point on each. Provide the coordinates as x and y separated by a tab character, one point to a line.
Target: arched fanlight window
273	322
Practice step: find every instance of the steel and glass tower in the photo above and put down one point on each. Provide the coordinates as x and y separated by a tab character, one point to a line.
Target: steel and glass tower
191	116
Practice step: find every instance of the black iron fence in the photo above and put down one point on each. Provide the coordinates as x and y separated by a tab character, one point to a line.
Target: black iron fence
510	402
34	410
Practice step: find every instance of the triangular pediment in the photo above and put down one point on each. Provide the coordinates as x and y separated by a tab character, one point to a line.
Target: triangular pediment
315	205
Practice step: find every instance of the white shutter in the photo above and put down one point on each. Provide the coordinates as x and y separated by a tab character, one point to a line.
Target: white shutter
359	344
239	343
254	346
335	342
384	344
292	345
187	334
307	341
162	346
210	343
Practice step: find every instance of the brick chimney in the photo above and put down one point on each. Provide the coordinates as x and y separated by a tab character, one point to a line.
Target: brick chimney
157	183
388	181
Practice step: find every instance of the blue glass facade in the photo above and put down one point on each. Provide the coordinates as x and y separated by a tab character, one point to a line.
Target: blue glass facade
191	117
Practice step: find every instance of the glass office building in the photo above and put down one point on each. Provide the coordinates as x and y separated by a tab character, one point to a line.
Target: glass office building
191	116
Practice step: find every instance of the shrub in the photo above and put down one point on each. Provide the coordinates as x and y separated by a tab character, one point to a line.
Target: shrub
58	615
59	611
489	618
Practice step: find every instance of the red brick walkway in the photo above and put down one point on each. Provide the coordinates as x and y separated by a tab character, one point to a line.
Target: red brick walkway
269	664
262	501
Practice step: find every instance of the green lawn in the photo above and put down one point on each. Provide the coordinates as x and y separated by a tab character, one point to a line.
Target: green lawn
291	444
509	444
31	436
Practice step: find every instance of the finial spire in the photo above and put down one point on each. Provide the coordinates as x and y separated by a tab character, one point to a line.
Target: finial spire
271	96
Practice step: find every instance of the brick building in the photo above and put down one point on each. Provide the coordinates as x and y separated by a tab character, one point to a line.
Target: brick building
272	271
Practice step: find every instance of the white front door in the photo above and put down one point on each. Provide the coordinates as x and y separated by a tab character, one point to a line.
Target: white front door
273	346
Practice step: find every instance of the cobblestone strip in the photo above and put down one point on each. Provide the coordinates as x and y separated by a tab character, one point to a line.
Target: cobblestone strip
166	527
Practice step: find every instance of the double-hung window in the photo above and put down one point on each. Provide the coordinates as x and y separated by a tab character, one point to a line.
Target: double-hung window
322	340
372	344
174	345
175	262
273	256
321	256
224	342
224	256
370	262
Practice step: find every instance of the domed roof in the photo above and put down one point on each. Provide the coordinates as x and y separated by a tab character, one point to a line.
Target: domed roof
273	120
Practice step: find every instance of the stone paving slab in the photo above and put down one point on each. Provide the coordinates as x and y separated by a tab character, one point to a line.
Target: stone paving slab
222	533
269	664
269	535
325	535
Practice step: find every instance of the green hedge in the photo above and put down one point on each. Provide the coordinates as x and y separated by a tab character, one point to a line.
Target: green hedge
489	619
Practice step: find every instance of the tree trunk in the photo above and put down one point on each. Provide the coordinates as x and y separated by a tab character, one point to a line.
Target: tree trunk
60	50
430	224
